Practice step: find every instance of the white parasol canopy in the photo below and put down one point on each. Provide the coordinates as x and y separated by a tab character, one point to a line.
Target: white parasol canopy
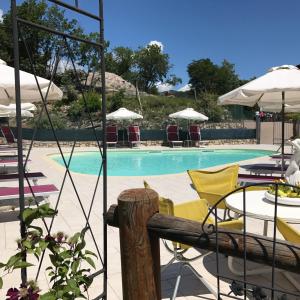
267	90
123	114
10	111
28	86
279	86
189	114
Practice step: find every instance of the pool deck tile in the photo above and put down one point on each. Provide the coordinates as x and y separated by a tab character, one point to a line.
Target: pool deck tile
70	219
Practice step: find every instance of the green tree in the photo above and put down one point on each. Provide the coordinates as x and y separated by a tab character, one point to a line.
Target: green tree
208	105
42	45
121	61
207	77
152	66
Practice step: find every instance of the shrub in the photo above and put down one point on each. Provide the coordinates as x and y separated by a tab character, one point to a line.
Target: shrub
57	119
75	110
116	101
92	102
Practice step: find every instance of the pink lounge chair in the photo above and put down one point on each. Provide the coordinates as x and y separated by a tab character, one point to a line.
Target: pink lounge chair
111	135
173	136
134	135
38	190
8	135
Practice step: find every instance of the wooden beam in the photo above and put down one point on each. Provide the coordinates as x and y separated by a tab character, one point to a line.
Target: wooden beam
230	242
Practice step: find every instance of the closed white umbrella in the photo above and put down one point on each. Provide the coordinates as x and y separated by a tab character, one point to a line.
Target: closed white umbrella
279	86
189	114
24	106
9	112
123	114
28	86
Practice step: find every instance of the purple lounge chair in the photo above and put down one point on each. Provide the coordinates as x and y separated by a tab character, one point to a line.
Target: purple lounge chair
38	190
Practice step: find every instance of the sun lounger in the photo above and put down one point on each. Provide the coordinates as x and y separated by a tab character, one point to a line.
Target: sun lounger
9	198
134	135
38	190
111	135
6	161
245	179
264	169
8	135
35	176
173	136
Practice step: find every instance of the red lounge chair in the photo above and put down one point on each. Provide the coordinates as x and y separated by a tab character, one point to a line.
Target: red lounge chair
195	135
134	135
8	135
111	135
173	136
38	190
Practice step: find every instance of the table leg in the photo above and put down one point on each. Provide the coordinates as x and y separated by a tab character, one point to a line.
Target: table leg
265	228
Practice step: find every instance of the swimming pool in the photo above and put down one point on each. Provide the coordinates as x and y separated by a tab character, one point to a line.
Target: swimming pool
140	163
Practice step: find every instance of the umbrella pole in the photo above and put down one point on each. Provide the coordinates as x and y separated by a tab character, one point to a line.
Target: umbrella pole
282	132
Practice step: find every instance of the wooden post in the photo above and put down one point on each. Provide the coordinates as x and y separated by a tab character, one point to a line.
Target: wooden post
140	259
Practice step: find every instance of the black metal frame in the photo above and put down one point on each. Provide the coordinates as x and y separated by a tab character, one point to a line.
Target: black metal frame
242	288
17	24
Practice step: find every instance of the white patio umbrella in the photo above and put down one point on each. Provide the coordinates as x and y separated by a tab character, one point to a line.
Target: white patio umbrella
189	114
279	86
123	114
28	86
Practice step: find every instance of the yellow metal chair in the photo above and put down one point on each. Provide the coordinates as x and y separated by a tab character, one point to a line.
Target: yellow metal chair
213	185
291	235
195	210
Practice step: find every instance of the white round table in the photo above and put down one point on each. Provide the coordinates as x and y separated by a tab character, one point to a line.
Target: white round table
258	207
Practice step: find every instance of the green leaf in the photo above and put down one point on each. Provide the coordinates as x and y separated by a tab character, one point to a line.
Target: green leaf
74	238
27	244
1	283
72	283
90	261
2	265
22	265
75	266
13	259
48	296
88	252
38	229
80	246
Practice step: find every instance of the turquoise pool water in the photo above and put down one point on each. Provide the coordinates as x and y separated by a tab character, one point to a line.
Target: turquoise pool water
140	163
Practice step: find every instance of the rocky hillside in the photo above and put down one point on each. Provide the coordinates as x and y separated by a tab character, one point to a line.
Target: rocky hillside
114	83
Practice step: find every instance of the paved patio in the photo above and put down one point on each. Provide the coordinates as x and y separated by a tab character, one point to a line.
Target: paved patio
70	220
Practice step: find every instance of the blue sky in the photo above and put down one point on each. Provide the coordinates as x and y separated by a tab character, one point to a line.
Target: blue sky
253	34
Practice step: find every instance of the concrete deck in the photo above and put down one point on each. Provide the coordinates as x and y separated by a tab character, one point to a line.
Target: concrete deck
70	219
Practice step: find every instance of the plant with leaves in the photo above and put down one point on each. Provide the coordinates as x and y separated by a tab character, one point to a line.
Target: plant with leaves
42	45
69	274
207	77
152	66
